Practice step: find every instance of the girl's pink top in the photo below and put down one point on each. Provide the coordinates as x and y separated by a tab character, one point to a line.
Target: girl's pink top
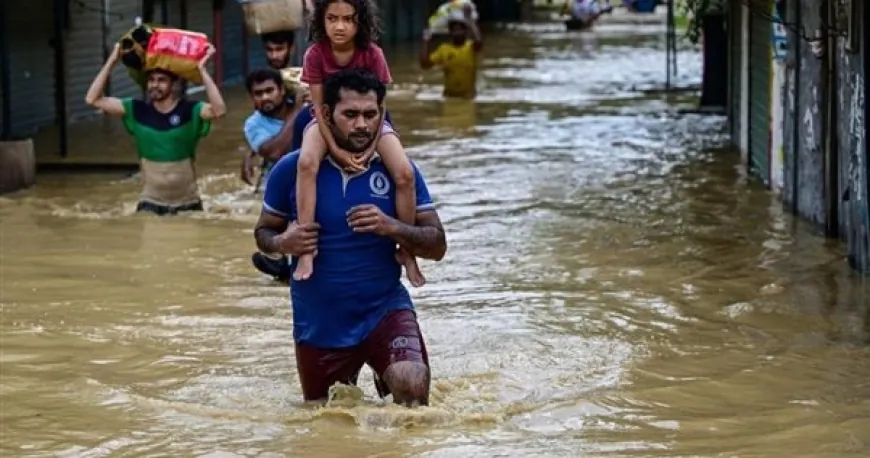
319	62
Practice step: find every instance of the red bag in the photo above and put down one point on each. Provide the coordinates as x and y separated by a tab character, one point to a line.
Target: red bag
177	51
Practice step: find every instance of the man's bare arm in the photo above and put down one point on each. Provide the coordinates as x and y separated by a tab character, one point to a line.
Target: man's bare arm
425	239
279	145
425	55
267	230
274	234
216	107
476	36
95	97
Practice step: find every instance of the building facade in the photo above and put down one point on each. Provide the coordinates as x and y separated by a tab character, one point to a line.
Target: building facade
796	109
50	51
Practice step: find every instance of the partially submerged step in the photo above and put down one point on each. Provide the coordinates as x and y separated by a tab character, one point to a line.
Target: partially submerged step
17	165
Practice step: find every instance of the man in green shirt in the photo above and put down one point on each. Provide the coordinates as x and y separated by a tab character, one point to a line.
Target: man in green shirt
166	129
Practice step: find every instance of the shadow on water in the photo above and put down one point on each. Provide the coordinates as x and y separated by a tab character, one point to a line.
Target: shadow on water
614	286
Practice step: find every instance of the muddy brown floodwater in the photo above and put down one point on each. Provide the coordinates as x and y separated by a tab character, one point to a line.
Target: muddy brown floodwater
614	287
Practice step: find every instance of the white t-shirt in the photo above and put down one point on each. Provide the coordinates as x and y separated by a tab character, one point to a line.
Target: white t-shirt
585	9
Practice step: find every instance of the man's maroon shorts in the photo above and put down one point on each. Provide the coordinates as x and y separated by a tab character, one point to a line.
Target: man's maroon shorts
396	338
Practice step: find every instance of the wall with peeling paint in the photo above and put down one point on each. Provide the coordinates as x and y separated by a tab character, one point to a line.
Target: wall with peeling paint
854	221
808	152
779	54
790	126
818	112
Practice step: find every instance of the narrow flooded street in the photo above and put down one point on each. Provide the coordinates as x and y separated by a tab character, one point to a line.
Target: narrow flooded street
613	287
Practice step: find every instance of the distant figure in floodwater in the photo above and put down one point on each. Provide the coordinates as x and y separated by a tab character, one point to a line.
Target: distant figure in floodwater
166	129
458	57
584	13
641	6
278	47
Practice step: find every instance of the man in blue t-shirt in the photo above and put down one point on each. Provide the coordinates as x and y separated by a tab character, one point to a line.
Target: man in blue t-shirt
278	47
354	310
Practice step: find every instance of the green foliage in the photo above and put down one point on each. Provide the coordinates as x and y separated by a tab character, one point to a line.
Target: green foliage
693	10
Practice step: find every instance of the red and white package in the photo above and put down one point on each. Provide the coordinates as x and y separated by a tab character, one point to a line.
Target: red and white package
177	51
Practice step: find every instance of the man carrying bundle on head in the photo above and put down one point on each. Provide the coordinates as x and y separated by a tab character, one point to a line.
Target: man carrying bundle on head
165	127
458	56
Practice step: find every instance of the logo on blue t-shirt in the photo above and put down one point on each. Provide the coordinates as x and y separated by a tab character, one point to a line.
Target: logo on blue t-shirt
379	184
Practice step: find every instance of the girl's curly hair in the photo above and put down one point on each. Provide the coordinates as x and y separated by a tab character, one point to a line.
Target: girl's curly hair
367	21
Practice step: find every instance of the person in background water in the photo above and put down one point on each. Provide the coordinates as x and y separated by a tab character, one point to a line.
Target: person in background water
355	311
279	48
166	129
458	57
587	11
342	34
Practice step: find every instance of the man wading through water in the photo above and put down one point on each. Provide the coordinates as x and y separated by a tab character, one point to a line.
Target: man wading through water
166	130
458	57
354	310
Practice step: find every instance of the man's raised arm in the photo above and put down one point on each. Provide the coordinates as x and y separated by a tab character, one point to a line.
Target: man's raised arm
95	97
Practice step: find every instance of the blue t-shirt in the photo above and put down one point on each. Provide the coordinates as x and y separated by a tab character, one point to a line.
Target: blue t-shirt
356	279
260	128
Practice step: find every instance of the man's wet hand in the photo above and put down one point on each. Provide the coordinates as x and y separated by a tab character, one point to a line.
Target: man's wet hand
370	219
248	169
116	54
209	51
298	239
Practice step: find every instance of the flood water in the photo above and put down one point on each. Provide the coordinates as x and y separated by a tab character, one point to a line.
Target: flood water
614	286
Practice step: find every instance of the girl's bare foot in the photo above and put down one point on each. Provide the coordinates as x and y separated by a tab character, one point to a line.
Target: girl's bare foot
412	269
304	267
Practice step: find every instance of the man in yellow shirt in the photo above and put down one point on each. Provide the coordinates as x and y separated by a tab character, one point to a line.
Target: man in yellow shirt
458	57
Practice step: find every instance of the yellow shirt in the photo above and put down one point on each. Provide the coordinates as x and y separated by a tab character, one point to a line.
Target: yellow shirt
460	68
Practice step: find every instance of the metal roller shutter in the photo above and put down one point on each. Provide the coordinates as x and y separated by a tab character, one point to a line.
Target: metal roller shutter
31	60
123	14
256	52
4	60
200	18
388	9
84	54
759	93
233	42
173	14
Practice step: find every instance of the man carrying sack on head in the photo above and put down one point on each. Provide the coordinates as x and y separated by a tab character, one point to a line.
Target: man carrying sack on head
165	127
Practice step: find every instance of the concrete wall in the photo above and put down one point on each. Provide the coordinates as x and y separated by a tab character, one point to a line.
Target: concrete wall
809	165
851	148
779	44
17	165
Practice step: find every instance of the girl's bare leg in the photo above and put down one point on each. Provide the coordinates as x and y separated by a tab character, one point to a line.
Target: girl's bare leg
397	163
310	156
